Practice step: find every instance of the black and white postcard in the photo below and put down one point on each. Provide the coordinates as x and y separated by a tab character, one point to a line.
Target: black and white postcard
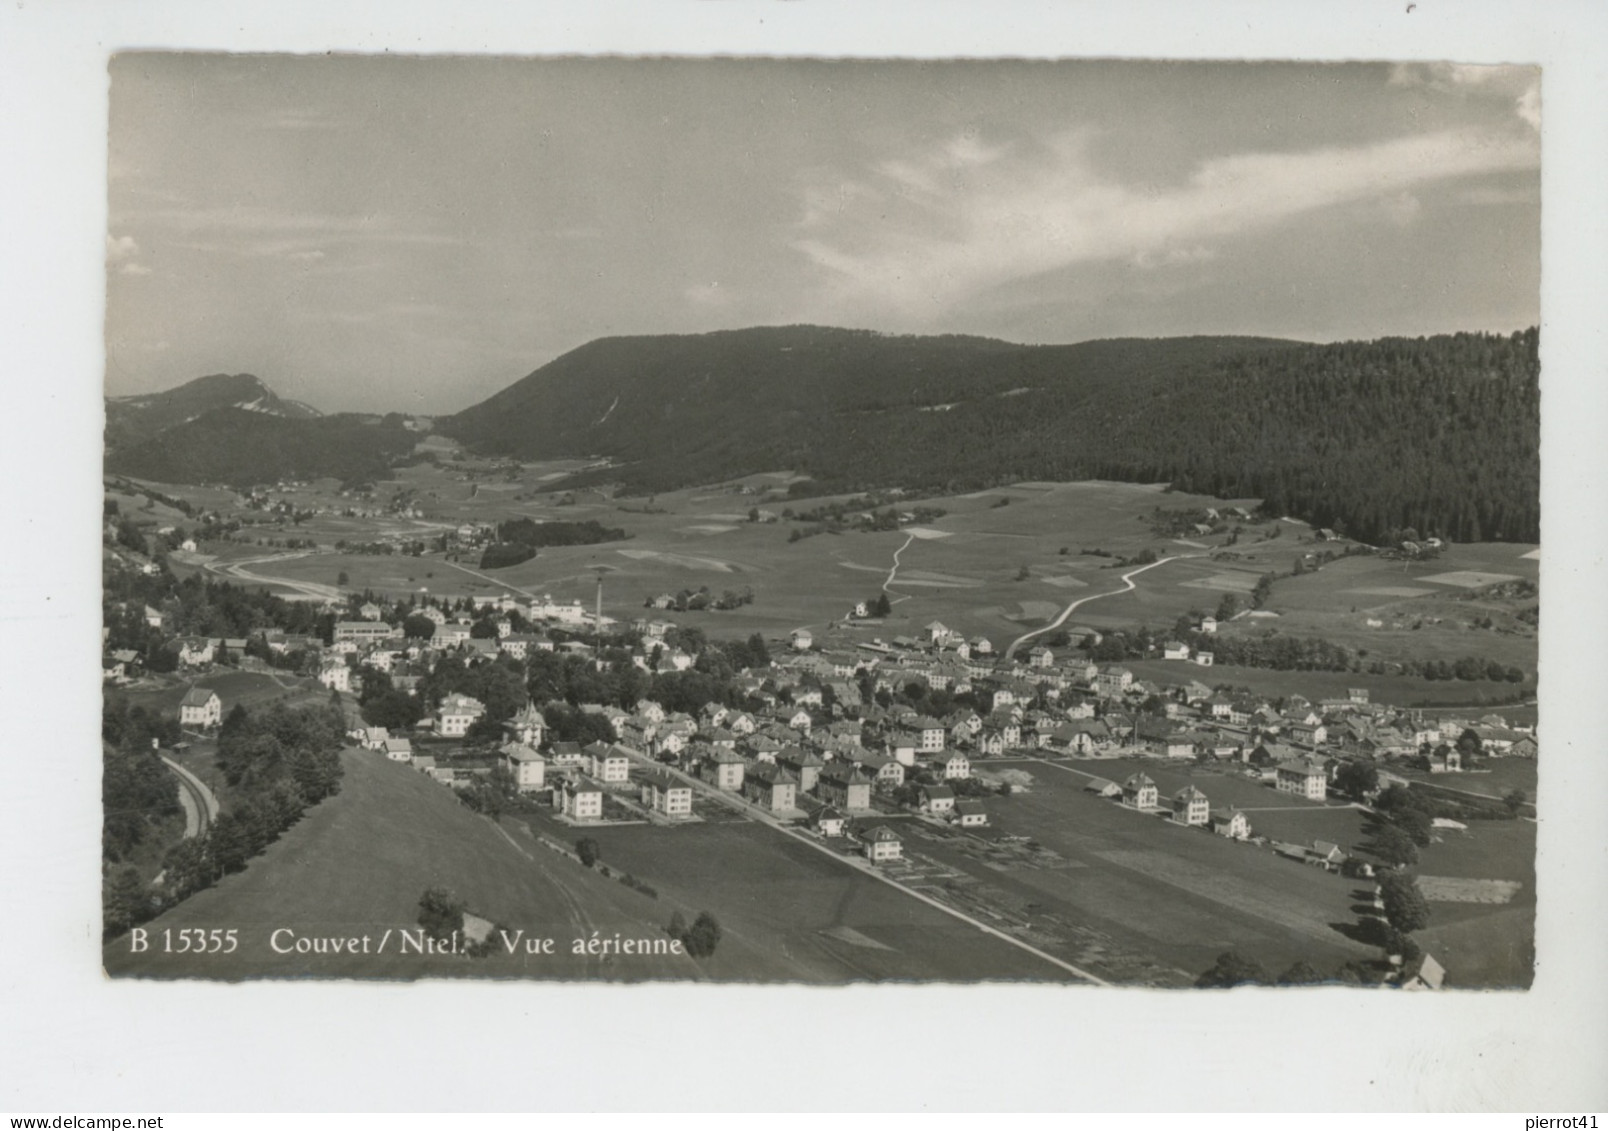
822	520
1010	543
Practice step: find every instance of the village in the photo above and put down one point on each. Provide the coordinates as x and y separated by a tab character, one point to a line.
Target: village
870	749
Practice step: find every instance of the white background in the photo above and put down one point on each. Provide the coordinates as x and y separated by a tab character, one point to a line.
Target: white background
72	1041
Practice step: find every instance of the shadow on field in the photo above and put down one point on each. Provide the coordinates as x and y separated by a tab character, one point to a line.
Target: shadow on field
1368	930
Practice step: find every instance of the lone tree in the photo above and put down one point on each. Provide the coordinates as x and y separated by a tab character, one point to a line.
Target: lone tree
418	627
1232	969
586	849
1406	909
703	936
1356	779
1515	801
440	913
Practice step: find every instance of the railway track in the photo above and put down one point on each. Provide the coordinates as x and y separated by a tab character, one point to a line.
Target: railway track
201	806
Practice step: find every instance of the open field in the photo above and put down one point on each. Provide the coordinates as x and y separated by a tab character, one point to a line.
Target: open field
1484	944
356	866
961	568
1281	816
1399	690
249	688
1148	887
791	913
1307	905
1495	778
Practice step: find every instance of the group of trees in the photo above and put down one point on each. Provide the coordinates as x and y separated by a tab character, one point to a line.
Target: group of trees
1403	820
1469	668
879	606
698	940
1235	969
697	600
138	792
276	763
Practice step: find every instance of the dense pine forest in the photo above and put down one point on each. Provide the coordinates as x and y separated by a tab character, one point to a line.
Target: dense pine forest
1439	434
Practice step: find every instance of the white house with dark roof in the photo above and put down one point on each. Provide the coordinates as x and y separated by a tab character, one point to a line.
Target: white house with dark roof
829	822
335	675
580	800
970	814
882	845
457	714
1190	806
527	766
1230	823
1139	792
724	769
200	707
1304	777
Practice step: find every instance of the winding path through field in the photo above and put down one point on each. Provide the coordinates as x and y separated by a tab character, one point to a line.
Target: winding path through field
892	573
1128	586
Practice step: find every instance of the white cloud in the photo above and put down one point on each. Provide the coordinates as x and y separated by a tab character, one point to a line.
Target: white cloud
1529	105
1522	85
120	249
120	256
921	234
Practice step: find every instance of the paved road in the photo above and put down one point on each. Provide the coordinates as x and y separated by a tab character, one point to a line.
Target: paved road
310	589
1127	587
866	867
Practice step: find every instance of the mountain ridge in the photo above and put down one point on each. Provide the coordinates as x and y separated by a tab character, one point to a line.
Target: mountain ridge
1435	434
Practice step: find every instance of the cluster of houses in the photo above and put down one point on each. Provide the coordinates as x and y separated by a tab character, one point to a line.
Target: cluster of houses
1189	806
1067	704
827	728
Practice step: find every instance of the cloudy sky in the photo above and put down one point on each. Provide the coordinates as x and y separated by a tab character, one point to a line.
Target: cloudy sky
415	234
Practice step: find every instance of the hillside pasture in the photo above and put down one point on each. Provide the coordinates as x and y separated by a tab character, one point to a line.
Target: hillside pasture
791	913
357	865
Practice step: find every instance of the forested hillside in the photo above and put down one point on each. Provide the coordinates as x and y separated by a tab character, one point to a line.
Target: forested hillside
1441	434
852	407
241	447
